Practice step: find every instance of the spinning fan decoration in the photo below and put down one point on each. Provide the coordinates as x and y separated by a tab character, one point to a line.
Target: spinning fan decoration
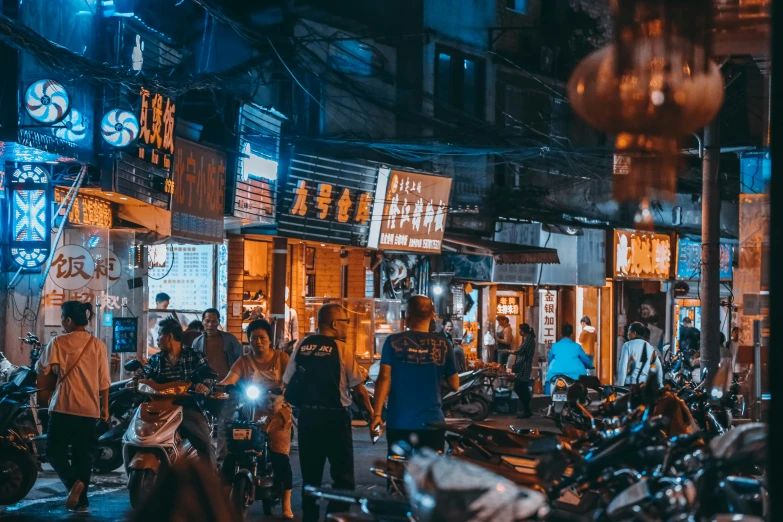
46	101
119	128
73	128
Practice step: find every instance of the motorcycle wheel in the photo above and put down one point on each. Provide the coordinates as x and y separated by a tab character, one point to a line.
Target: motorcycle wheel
108	457
140	484
18	473
481	413
241	494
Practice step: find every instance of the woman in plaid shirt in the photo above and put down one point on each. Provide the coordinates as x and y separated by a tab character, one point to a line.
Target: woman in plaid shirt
523	366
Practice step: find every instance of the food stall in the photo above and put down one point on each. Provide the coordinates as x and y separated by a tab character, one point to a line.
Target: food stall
372	321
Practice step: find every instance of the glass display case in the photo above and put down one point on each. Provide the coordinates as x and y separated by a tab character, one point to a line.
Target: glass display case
372	320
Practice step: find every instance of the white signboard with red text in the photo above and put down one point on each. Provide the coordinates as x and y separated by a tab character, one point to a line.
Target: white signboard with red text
547	317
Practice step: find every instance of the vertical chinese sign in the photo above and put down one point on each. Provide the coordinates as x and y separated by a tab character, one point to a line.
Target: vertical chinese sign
199	186
547	323
413	215
156	129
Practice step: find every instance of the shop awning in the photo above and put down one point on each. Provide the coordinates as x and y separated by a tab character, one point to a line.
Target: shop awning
503	253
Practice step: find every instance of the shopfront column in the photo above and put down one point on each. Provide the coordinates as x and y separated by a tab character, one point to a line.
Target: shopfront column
277	297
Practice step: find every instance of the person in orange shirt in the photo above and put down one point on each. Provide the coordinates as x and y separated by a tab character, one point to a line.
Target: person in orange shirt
588	337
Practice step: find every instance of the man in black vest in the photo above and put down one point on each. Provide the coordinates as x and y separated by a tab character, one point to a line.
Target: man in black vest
320	376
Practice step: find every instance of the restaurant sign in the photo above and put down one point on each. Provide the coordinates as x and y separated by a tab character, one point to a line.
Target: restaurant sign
508	305
199	186
689	260
156	128
86	210
410	212
327	200
641	255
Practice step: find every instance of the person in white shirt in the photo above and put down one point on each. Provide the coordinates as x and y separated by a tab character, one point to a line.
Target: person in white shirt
80	398
637	358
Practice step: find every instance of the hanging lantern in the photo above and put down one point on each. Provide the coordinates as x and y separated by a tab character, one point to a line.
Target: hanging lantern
651	87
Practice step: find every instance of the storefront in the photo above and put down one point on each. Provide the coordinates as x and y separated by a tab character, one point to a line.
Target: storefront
643	290
687	301
561	293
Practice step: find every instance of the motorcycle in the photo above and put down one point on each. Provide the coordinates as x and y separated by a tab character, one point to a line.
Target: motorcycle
18	465
470	400
152	441
441	488
247	465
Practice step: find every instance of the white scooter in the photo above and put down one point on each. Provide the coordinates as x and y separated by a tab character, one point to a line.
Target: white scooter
152	441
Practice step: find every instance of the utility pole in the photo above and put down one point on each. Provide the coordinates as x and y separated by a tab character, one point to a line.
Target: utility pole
710	252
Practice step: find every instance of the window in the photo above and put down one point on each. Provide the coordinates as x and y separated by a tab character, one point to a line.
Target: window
528	108
353	57
459	85
520	6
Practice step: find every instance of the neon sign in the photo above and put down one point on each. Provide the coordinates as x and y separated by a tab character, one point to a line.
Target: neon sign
30	240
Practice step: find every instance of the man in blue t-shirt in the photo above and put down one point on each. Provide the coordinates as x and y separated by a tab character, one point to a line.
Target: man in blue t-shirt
413	364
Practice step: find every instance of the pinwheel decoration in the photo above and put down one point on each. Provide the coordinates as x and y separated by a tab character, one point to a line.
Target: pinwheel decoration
73	128
47	101
119	128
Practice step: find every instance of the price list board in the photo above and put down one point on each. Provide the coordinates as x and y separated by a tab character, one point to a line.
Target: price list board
188	277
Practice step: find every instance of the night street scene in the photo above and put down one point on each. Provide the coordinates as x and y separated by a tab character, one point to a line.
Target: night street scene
390	261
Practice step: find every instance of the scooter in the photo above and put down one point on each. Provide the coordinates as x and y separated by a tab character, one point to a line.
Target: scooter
18	465
247	465
470	400
152	442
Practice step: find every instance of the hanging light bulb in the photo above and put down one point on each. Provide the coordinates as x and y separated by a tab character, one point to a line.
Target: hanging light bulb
652	86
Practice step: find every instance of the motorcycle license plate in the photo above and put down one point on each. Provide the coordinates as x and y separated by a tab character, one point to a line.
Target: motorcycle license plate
243	434
559	397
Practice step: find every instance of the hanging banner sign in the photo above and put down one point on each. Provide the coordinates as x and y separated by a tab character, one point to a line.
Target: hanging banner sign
156	129
410	213
641	255
547	322
86	210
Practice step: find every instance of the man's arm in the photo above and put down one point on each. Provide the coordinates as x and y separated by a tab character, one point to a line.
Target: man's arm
382	387
105	416
622	370
361	392
450	369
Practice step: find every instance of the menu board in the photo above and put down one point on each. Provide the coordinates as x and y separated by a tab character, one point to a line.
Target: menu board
126	334
187	277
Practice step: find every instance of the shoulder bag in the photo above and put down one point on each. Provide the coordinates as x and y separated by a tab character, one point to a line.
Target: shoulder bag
47	384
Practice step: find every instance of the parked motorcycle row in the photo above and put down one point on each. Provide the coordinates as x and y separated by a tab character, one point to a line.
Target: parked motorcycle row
644	454
647	454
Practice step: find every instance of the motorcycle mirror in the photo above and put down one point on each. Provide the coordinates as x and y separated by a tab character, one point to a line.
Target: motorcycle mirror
132	365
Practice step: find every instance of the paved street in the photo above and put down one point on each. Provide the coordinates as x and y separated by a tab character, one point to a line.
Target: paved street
109	496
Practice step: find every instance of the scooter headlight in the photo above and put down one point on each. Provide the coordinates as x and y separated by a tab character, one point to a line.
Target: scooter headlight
252	392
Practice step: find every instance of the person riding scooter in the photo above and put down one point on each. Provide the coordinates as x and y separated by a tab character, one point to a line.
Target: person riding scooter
566	357
173	363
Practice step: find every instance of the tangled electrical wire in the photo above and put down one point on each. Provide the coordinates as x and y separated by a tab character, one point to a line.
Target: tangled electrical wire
56	59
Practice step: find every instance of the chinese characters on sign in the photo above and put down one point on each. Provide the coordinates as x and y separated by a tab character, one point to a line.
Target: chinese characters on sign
413	216
198	185
86	210
74	267
326	201
547	323
156	128
508	305
689	260
641	255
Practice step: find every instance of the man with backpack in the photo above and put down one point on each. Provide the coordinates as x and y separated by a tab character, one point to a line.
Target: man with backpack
637	358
